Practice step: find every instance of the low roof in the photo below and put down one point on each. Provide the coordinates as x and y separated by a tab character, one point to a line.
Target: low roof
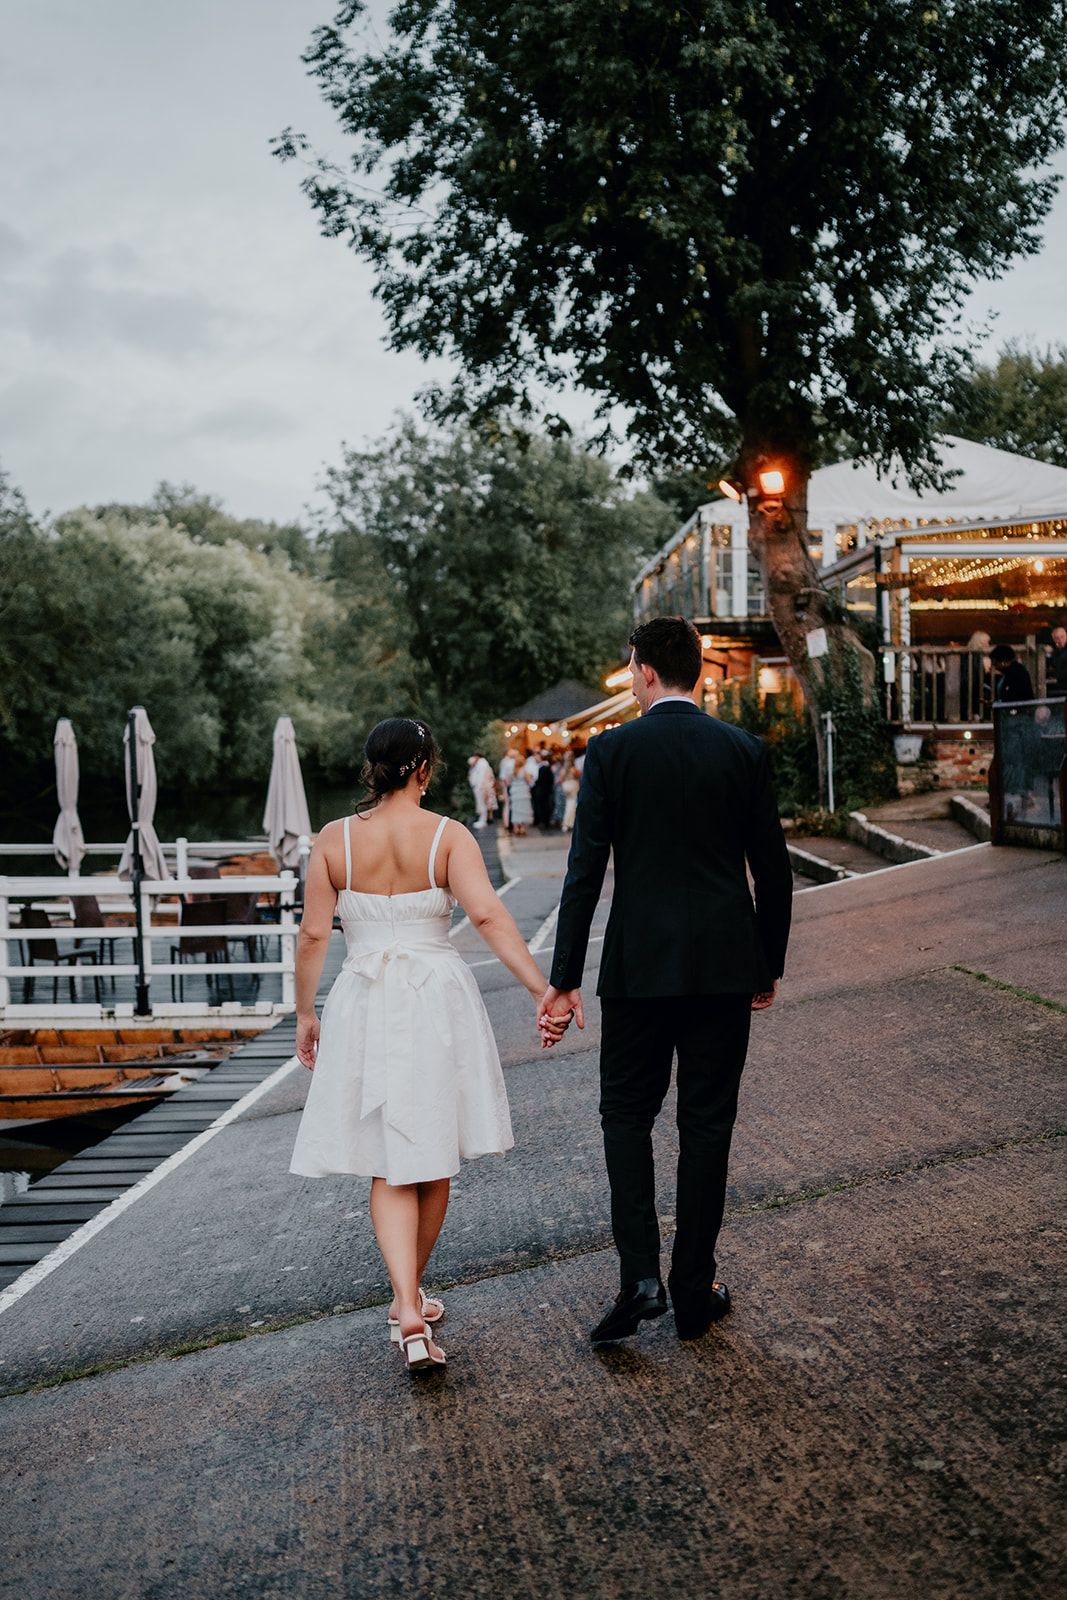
564	699
992	486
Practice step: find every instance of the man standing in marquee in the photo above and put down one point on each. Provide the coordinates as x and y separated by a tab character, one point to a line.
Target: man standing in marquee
683	801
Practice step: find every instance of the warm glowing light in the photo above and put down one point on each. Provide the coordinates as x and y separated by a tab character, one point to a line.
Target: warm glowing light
708	682
705	641
966	733
532	727
769	680
730	490
772	481
546	729
615	680
594	729
1039	566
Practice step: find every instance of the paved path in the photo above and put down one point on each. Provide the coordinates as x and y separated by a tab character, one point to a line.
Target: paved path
206	1382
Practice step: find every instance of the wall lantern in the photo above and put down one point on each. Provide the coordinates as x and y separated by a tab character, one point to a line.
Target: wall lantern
772	481
731	489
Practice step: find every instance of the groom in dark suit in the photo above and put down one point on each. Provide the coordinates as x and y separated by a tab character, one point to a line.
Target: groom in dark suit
683	801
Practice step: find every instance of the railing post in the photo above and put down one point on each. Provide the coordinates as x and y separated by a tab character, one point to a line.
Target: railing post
143	1008
181	855
287	926
5	924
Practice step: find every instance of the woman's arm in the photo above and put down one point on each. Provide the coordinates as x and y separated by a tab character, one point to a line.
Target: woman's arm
316	926
469	882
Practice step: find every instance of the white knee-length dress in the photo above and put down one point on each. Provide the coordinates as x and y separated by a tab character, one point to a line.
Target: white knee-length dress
407	1080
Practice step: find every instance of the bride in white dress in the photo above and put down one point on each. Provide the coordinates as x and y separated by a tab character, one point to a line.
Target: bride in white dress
406	1076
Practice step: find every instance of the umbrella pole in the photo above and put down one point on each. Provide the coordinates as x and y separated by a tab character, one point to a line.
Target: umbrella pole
141	1006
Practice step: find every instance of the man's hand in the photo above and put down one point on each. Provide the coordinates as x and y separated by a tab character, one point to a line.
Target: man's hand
760	1002
307	1040
554	1013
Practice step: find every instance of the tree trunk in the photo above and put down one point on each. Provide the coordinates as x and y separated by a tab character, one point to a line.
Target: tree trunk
799	603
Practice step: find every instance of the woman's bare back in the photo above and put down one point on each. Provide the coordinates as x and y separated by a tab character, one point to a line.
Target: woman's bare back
390	850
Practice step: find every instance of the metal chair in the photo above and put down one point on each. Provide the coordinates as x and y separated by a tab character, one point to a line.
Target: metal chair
87	914
204	912
48	953
243	908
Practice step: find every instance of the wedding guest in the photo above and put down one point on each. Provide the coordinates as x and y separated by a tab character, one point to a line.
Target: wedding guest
559	801
521	809
569	784
505	772
542	793
975	685
1056	671
480	778
1013	681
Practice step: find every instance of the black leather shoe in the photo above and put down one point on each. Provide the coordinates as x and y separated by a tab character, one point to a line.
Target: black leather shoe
636	1303
692	1319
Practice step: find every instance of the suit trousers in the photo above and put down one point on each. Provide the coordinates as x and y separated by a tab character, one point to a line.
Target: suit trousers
638	1043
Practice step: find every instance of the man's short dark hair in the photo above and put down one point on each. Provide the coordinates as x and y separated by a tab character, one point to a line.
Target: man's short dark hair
671	647
1002	655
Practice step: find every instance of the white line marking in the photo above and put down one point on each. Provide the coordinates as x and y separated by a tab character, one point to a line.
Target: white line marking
544	932
493	961
88	1230
501	892
897	866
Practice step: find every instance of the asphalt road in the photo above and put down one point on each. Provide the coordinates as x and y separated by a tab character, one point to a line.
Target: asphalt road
875	1419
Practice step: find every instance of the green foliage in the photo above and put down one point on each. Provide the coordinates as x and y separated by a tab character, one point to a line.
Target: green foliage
102	611
790	741
502	562
748	225
204	518
455	576
864	763
1018	403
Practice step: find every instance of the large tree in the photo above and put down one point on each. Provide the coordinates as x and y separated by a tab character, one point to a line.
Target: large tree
751	223
1017	402
503	560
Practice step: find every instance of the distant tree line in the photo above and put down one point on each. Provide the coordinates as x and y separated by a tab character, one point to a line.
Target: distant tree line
450	575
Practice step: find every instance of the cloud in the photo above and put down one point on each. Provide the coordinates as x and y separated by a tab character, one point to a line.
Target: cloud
243	421
73	309
12	245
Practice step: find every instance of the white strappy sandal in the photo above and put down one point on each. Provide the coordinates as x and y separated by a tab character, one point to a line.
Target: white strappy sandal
432	1311
418	1356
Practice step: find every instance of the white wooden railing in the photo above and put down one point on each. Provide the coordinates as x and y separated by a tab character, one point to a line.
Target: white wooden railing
113	894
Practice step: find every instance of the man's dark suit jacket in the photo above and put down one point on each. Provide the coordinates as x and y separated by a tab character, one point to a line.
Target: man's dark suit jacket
682	800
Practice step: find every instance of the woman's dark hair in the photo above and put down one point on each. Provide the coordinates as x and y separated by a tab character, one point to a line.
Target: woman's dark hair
671	647
394	750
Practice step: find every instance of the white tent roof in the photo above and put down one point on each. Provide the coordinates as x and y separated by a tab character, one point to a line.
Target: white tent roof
993	486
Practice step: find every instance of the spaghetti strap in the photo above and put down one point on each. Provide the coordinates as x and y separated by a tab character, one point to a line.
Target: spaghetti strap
433	851
348	855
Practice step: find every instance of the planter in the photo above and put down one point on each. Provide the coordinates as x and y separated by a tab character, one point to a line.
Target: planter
908	747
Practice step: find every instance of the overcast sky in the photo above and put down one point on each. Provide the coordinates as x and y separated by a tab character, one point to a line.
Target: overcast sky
167	306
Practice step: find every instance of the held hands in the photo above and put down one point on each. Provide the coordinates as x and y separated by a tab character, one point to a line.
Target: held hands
554	1014
760	1002
307	1040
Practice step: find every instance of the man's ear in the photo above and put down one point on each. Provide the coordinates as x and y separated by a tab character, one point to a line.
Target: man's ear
649	675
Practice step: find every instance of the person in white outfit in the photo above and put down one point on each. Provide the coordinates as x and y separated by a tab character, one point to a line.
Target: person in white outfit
480	778
406	1077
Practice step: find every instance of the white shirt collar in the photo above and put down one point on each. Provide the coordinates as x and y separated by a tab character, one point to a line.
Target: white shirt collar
662	701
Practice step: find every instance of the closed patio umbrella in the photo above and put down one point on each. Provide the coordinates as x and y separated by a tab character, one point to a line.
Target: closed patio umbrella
68	841
286	815
152	861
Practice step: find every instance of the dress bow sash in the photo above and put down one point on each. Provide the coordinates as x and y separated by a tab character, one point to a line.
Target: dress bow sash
389	1055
